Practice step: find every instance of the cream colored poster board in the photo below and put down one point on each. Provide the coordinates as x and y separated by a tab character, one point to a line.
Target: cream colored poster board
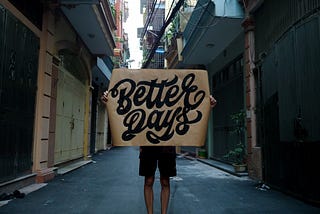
158	107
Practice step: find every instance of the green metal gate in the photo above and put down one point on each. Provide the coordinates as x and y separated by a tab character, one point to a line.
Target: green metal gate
18	84
291	103
228	89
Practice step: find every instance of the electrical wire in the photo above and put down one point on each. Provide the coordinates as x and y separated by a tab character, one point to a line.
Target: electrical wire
170	9
148	18
155	12
161	32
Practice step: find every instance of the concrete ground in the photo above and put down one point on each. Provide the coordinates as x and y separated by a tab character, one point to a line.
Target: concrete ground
110	184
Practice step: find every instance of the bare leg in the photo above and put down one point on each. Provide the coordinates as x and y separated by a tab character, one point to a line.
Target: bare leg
148	193
165	193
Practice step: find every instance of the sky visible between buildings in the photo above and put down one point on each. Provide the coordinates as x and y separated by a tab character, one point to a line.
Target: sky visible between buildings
134	21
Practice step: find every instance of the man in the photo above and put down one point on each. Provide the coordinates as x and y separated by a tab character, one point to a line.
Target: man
163	157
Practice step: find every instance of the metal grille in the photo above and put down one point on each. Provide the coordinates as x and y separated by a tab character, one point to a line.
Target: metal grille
157	61
229	90
19	63
277	17
290	100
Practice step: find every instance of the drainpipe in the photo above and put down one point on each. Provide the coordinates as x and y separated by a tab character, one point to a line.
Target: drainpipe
249	57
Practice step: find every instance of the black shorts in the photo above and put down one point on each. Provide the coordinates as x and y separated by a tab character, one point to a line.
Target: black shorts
167	166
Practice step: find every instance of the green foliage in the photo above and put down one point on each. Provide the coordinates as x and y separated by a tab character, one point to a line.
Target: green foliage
238	153
239	119
173	29
113	11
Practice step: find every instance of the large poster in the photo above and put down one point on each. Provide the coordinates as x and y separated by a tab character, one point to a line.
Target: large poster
158	107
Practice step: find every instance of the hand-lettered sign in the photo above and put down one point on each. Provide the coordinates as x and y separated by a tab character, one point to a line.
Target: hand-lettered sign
158	107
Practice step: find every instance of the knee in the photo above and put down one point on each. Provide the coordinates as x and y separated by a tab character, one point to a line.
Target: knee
165	182
148	181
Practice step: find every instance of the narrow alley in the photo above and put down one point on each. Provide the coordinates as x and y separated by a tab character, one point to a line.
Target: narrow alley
110	184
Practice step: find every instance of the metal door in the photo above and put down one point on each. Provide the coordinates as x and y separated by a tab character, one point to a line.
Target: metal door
228	88
69	118
19	55
306	128
291	103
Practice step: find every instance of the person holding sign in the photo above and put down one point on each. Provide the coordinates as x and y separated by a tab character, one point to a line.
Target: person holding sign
163	157
158	107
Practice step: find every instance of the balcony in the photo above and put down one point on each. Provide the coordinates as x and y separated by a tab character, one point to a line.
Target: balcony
213	25
173	53
93	21
101	72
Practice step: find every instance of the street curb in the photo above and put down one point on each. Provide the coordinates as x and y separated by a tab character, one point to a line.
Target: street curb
73	166
216	164
26	190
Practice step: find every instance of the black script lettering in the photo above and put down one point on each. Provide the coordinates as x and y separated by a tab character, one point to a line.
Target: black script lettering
184	121
124	102
167	123
171	93
189	88
152	86
134	121
160	125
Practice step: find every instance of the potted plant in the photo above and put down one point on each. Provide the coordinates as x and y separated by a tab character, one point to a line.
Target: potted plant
202	153
237	155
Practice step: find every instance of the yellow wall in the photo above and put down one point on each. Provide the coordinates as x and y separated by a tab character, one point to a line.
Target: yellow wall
53	29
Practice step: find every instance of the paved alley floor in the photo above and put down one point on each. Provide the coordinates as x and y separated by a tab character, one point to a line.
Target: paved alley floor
111	185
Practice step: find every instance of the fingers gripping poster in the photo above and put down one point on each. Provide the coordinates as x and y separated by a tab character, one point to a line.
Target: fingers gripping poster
158	107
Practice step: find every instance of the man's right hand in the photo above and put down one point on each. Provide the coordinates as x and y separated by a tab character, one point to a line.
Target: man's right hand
104	97
213	101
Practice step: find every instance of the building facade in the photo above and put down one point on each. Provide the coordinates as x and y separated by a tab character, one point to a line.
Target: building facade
121	52
208	35
54	66
283	79
153	19
264	69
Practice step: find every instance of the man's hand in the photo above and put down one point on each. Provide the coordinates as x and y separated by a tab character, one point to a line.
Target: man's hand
213	102
104	97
